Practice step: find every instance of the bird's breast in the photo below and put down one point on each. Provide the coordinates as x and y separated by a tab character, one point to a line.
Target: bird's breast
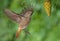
24	22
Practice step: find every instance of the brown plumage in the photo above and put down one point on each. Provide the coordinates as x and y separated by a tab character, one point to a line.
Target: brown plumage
22	19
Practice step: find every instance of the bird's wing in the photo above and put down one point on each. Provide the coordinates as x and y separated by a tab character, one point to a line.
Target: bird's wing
12	15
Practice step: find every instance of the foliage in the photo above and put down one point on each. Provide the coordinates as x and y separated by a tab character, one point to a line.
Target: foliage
41	27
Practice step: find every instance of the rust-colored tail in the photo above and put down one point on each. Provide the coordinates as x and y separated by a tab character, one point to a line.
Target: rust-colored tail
17	33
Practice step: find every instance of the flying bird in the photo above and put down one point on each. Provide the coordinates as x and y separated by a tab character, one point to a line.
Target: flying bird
22	19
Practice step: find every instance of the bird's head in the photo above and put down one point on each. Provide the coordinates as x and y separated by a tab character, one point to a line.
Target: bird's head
27	12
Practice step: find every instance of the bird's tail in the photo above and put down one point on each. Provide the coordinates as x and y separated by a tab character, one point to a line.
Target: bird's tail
17	33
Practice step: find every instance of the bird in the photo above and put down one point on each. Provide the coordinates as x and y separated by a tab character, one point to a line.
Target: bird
22	19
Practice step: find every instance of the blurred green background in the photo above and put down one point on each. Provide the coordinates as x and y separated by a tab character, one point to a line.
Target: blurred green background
41	27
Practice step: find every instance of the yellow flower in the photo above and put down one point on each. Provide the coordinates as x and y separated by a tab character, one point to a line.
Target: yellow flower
47	6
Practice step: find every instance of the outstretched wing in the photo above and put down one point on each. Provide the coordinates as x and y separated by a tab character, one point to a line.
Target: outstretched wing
12	15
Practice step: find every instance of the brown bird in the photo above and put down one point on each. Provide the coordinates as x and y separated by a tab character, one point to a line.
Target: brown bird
22	19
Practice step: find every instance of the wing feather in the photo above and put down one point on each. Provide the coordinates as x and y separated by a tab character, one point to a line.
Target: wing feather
12	15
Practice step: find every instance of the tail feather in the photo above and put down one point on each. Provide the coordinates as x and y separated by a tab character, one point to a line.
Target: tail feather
18	32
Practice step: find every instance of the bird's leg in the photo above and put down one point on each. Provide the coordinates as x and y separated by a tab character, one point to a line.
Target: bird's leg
26	31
